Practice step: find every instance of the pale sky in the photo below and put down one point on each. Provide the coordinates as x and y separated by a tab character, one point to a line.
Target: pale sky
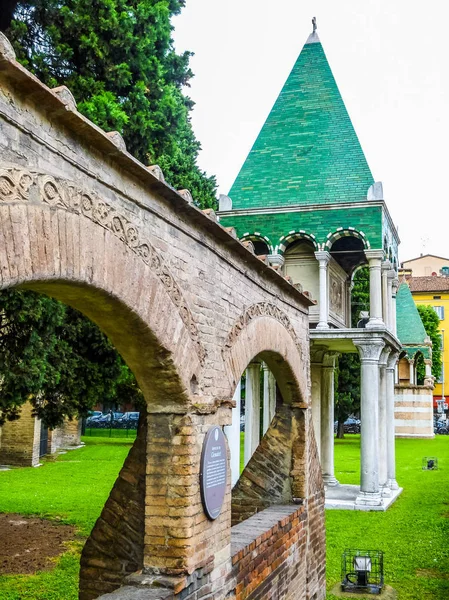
390	61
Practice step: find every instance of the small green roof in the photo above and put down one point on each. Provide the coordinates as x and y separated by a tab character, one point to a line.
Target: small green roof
307	151
410	329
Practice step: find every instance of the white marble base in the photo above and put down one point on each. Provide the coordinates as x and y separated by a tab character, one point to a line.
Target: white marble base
349	497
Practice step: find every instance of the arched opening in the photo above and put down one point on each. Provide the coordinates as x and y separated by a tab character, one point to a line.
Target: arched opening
261	244
127	294
404	370
275	414
57	364
255	397
348	252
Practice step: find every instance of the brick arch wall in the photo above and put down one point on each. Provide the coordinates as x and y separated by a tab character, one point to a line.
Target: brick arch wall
265	332
171	287
76	261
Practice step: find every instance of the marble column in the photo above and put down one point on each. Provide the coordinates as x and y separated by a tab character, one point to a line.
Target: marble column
429	380
323	259
316	366
411	363
385	269
390	278
375	288
394	291
233	435
252	410
327	418
369	351
391	450
269	397
383	424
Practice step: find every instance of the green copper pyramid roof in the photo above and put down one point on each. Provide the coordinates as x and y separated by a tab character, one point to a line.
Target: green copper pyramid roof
307	151
410	329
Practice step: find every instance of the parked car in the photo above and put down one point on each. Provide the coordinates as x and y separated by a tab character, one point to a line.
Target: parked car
94	415
106	420
351	425
129	420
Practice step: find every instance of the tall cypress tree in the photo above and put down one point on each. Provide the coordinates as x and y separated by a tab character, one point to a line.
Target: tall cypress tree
118	59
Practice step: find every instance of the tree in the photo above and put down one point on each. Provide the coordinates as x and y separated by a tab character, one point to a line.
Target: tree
347	382
359	294
431	324
54	357
117	58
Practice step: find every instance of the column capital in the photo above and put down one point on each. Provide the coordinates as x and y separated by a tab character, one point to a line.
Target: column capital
386	266
317	352
392	360
395	284
330	359
383	360
369	350
372	255
392	276
276	259
323	256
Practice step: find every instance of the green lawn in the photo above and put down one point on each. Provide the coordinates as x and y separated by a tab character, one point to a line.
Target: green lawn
414	533
72	489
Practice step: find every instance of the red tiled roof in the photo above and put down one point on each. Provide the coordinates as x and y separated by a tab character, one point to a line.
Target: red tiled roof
428	284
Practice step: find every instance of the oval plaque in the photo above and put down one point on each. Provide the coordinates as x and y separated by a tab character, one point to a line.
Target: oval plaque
213	472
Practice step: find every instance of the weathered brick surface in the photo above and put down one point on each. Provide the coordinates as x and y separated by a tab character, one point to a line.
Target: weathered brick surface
115	546
266	479
269	554
19	440
186	305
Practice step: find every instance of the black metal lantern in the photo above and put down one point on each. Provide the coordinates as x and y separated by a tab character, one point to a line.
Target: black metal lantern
430	463
362	571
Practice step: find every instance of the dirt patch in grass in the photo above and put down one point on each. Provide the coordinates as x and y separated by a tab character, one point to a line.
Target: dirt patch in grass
29	544
432	574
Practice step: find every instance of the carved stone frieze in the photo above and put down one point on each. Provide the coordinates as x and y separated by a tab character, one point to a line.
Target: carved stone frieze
18	185
261	309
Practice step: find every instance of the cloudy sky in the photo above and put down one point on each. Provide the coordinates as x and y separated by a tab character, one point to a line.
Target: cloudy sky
389	58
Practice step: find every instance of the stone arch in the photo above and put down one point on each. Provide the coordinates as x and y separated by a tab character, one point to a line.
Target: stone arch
345	232
265	332
257	237
69	244
276	472
293	236
86	265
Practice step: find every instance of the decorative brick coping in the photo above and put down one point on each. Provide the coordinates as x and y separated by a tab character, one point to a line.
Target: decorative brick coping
253	532
268	552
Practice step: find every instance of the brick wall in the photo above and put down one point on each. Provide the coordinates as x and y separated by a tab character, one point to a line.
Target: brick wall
266	478
268	554
19	443
115	546
316	532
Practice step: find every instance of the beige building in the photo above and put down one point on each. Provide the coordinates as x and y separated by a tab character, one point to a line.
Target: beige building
25	441
426	265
